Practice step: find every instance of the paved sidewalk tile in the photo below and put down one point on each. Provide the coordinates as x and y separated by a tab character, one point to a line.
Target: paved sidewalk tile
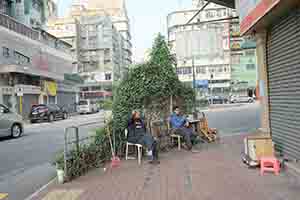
216	173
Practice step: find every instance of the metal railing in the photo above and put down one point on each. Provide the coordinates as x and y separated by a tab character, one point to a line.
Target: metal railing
13	25
75	140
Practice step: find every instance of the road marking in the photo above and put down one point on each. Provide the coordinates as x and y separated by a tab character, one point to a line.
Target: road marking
3	195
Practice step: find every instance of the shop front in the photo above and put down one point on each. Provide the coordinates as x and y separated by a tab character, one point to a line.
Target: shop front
276	26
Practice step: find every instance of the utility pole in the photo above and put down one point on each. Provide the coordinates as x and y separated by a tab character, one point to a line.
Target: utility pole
194	81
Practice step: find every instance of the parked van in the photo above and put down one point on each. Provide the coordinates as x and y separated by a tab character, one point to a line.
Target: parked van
87	106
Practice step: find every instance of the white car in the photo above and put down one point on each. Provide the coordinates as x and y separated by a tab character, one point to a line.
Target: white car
241	99
87	106
11	124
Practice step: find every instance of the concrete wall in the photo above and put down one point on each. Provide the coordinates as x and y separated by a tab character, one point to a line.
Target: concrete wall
263	79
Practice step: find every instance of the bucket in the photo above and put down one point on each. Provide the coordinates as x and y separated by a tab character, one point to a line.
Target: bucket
60	175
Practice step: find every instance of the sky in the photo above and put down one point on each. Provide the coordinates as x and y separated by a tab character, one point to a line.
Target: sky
147	18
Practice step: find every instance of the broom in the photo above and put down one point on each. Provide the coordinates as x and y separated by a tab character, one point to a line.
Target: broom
115	160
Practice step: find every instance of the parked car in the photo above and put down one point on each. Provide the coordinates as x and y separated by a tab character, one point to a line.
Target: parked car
87	106
49	113
241	99
217	100
11	124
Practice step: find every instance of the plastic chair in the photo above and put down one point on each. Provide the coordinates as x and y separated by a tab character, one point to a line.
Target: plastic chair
178	137
174	136
269	164
139	148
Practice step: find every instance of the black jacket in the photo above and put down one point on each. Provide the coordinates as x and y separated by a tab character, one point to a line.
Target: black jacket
136	130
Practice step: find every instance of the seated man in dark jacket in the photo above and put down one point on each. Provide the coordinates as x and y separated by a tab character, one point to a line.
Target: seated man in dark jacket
137	134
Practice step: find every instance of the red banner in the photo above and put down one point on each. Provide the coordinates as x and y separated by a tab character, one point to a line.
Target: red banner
257	13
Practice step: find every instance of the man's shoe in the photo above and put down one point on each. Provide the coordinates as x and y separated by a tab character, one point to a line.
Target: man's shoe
184	146
154	162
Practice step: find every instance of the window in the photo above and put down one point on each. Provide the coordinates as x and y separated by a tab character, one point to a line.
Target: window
209	14
250	52
220	69
250	66
211	69
219	13
20	58
37	4
184	70
107	77
5	52
18	1
201	70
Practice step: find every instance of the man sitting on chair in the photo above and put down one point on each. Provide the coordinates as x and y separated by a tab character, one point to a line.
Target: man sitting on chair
137	134
180	126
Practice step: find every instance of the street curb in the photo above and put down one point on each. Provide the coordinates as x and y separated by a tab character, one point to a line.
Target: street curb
36	193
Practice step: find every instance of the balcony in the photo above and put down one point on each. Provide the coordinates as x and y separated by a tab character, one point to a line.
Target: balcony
13	25
38	35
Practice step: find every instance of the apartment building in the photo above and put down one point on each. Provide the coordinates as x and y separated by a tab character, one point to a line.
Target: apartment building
101	41
33	64
202	47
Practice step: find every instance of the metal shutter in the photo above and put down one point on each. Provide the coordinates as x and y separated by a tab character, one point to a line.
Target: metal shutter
283	60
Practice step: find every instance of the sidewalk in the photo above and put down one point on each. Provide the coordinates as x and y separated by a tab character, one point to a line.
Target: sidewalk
216	173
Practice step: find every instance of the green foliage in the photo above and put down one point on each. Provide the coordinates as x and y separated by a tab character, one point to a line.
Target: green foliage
147	84
106	104
59	160
90	155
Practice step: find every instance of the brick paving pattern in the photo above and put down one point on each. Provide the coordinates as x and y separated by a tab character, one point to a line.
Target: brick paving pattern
216	173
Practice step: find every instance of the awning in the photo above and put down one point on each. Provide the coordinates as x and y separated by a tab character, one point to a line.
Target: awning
30	71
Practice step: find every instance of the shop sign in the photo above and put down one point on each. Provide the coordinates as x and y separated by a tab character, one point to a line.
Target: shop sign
51	87
251	11
235	33
235	46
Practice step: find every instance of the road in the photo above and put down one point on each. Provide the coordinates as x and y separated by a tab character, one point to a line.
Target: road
25	163
235	120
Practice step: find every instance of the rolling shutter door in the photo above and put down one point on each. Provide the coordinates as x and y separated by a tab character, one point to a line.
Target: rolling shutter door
283	60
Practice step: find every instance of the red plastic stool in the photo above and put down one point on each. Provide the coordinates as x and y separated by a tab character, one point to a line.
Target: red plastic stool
269	164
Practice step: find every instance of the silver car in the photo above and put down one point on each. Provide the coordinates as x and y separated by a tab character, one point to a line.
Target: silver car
11	124
241	99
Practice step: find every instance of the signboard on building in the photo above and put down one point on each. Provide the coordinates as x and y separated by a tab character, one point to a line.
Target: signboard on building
251	11
51	88
201	83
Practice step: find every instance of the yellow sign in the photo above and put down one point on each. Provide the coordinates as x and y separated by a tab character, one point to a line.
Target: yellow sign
51	88
3	195
235	46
